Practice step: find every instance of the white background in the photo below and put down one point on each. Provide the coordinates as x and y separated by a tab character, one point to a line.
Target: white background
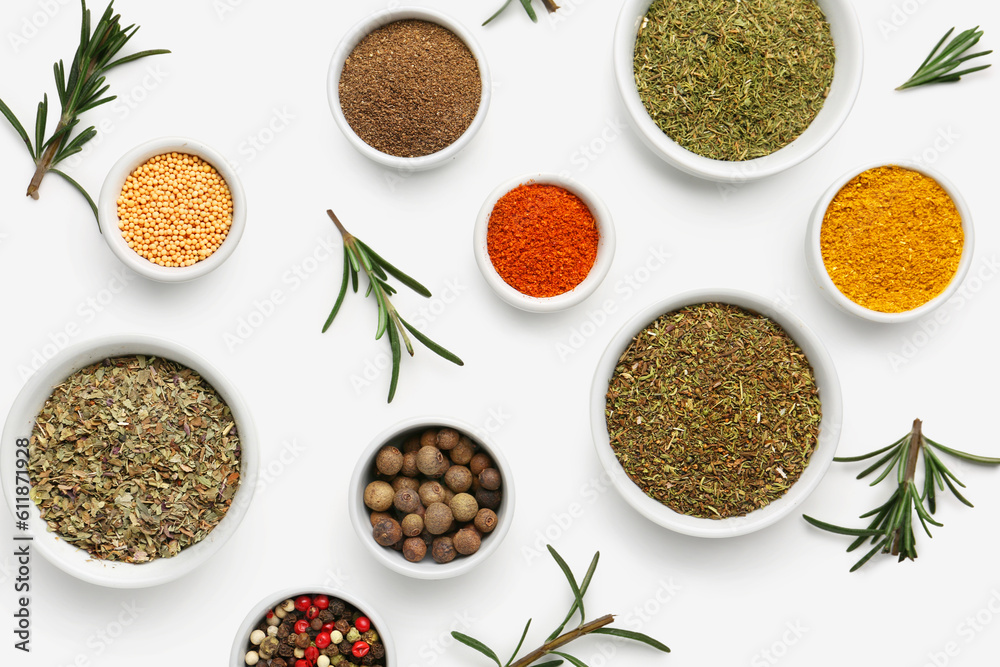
713	602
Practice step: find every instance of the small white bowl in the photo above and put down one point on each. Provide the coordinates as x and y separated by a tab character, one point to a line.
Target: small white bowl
428	568
258	611
602	263
107	209
829	430
76	561
846	32
362	30
814	253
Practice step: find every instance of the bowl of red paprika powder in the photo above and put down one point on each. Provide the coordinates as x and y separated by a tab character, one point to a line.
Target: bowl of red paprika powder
543	242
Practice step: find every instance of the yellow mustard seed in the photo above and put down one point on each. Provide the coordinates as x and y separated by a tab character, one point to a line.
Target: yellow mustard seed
175	209
891	239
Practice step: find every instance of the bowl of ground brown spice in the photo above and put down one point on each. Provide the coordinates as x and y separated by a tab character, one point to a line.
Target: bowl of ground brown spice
890	242
409	88
172	209
543	242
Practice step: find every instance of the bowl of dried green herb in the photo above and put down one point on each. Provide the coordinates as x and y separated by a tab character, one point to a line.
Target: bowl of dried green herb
890	242
409	87
739	94
715	412
128	460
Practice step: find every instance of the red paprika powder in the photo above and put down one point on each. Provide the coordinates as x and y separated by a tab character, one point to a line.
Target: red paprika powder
542	239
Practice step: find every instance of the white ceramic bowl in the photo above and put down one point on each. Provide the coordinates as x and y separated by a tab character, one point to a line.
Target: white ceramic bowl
602	264
257	612
846	32
814	254
364	472
829	430
374	22
107	209
76	561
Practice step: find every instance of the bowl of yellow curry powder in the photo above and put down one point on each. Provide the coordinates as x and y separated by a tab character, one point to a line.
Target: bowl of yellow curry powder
890	242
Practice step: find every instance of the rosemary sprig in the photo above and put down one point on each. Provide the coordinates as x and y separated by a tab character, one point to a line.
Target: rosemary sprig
550	5
891	528
80	89
558	638
359	257
938	69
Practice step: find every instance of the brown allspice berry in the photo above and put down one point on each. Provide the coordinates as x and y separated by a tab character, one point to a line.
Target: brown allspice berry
463	452
429	438
489	479
387	532
443	549
407	501
389	460
343	626
378	516
458	479
316	624
447	438
431	462
463	507
412	524
448	495
467	541
489	499
379	495
479	463
438	518
414	549
410	465
431	492
403	482
303	640
278	662
411	444
486	520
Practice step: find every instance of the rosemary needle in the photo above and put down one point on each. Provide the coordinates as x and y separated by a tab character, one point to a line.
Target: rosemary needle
550	5
360	257
938	69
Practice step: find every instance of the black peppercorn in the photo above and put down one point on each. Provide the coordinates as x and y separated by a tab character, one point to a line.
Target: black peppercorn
343	626
336	607
286	650
326	616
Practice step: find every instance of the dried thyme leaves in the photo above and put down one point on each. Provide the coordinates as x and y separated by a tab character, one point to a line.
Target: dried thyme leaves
134	458
713	411
733	80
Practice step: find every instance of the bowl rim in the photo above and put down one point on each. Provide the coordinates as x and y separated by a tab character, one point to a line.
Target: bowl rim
257	611
849	45
830	426
814	253
428	568
602	263
75	561
381	18
107	208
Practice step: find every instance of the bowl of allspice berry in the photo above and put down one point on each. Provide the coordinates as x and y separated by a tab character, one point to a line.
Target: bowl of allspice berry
431	498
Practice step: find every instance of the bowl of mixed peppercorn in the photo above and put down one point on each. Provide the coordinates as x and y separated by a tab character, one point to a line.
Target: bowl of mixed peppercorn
322	628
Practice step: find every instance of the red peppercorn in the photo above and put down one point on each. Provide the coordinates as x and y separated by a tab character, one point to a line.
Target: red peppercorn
323	639
302	603
301	663
312	612
270	614
327	628
360	649
363	624
311	654
321	601
301	626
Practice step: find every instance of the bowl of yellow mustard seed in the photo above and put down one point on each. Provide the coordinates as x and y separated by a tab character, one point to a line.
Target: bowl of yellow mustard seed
890	242
172	209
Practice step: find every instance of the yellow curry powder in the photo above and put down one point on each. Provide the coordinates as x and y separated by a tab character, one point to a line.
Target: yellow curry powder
891	239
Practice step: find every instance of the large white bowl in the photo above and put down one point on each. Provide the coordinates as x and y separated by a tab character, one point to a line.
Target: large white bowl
428	568
107	209
829	429
257	612
846	32
814	252
551	304
76	561
374	22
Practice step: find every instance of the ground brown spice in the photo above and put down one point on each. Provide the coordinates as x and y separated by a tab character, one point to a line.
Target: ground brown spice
410	88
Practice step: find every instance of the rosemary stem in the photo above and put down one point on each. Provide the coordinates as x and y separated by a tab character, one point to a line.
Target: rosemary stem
564	639
550	5
916	445
45	162
336	221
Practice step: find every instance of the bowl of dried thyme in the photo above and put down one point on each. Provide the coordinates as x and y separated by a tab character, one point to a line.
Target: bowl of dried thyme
128	460
409	87
715	412
740	94
890	242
